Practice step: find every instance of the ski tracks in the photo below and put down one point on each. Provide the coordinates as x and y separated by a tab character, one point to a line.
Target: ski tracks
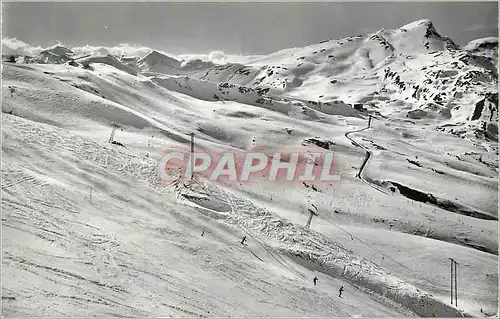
239	205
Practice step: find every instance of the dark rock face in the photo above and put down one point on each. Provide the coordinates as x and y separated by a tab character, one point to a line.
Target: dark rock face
428	198
358	106
478	110
416	114
323	144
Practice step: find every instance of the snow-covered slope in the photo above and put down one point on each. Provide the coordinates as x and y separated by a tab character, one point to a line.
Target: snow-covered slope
107	59
101	235
129	61
487	46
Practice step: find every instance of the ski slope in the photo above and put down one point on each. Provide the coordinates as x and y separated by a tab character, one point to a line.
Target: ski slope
88	228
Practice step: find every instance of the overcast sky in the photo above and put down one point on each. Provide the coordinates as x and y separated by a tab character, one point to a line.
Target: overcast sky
239	28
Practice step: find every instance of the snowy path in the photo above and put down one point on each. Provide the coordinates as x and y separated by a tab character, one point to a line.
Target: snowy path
367	157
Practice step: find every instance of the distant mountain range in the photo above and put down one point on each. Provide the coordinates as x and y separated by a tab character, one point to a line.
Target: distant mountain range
411	69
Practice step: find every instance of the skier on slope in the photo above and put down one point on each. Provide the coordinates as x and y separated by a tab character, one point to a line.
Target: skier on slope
315	279
243	240
340	291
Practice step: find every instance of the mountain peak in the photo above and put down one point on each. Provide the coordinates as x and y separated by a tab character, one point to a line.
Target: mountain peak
57	54
425	23
156	56
60	50
155	53
426	28
156	61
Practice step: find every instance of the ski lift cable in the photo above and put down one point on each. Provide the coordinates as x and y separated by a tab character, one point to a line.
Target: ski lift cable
373	248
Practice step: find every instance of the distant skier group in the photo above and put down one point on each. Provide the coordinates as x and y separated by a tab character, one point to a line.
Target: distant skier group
12	90
315	280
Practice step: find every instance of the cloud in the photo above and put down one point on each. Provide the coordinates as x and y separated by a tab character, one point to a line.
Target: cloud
217	57
15	46
122	49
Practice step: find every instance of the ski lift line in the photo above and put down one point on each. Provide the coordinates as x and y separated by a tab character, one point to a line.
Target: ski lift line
388	257
352	236
297	273
283	262
267	248
294	271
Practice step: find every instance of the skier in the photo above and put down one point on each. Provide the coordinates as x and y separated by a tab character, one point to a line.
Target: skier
315	279
202	233
243	240
340	291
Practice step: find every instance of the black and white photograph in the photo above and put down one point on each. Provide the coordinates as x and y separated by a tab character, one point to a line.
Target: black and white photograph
249	159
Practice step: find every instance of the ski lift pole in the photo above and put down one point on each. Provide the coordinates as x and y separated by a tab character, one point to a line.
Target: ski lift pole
191	158
313	211
112	136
